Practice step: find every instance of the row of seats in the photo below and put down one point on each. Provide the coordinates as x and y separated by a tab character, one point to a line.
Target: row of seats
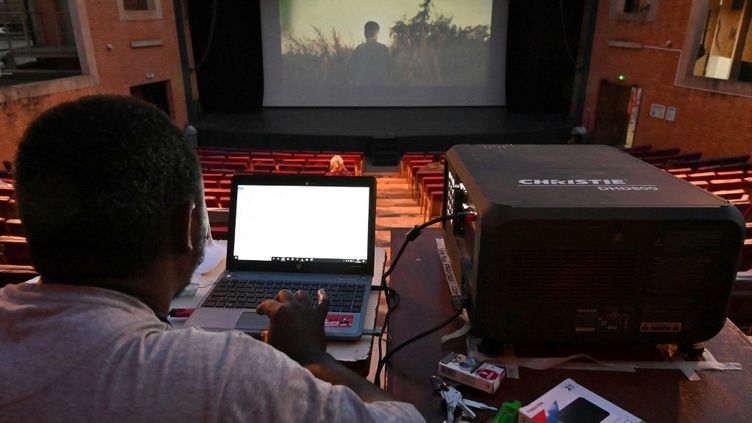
219	165
275	162
674	158
424	173
15	255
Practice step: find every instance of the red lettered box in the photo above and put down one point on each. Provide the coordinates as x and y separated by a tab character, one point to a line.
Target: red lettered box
479	375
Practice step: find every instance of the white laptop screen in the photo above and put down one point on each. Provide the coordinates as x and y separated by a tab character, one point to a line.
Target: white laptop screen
296	223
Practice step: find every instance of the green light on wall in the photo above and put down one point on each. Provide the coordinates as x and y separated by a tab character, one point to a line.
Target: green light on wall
621	77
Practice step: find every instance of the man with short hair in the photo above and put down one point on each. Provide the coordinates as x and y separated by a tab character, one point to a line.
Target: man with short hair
111	198
371	62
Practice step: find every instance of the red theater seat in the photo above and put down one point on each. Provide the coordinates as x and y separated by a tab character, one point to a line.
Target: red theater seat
14	250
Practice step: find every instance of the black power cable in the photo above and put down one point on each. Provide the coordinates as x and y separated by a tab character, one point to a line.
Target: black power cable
409	341
392	298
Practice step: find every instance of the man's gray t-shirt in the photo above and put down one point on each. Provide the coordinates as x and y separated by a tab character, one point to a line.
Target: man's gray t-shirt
73	353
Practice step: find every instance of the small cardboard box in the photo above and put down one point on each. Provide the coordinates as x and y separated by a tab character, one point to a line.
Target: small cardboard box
480	375
569	402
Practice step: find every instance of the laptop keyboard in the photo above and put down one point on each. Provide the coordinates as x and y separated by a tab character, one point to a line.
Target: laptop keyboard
343	298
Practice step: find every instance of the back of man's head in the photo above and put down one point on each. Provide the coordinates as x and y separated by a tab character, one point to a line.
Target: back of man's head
371	29
97	181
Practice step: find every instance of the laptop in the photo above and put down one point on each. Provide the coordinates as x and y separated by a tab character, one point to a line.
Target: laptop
295	232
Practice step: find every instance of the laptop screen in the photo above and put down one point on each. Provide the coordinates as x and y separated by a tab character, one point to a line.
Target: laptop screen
295	223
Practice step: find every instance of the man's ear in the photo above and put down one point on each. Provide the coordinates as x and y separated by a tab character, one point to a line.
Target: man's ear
185	222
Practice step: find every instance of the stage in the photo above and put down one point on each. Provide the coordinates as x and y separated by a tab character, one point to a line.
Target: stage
377	129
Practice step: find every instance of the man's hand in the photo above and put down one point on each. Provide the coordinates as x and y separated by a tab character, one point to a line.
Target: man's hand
295	327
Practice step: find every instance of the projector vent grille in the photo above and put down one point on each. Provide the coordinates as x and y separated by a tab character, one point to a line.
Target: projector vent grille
571	274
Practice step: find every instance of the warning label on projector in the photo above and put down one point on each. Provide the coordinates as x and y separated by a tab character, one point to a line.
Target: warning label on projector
660	327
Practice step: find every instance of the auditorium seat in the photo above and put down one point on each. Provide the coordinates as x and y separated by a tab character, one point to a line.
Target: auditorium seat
745	262
437	198
720	163
700	176
744	206
263	166
319	160
262	160
294	160
724	184
14	227
731	194
655	153
428	197
14	250
679	170
15	273
737	173
259	171
428	180
236	166
259	154
7	191
8	208
316	167
279	155
292	167
211	201
638	148
219	232
422	173
671	159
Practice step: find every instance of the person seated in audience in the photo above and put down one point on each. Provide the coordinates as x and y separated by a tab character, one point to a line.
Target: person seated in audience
337	167
110	194
577	135
435	164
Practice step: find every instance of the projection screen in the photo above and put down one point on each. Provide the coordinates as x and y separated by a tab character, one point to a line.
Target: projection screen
384	53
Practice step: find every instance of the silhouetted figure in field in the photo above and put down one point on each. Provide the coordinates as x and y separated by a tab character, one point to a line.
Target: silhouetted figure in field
370	62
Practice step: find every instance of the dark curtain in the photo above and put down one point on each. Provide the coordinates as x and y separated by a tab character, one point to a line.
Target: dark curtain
540	71
231	79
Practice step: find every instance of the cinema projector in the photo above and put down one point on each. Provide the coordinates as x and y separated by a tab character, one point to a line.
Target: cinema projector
586	244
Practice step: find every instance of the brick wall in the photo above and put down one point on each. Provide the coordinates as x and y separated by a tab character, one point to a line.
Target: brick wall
15	116
715	124
119	68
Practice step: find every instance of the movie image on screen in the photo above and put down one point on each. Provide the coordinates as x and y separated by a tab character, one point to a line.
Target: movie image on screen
383	52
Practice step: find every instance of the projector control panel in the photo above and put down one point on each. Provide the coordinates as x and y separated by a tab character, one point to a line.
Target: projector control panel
456	200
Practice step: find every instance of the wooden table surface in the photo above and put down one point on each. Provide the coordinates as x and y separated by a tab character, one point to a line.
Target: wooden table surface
653	395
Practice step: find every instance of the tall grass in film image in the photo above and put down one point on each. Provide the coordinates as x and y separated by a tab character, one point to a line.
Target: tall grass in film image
386	42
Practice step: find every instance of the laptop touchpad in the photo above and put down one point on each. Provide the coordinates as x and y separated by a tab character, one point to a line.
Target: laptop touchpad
252	321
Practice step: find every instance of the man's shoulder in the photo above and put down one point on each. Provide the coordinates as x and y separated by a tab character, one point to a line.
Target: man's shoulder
199	341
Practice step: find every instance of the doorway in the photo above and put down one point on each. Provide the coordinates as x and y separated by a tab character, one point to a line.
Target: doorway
155	93
616	114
